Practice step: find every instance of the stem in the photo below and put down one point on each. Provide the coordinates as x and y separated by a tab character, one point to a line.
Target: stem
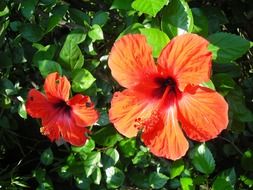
235	147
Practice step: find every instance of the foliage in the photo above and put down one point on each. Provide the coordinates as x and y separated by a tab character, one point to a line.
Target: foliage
74	38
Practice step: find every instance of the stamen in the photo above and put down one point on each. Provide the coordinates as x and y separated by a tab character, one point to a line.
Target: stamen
149	123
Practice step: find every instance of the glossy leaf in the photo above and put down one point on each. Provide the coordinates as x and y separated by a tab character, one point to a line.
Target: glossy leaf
47	157
223	51
177	18
176	168
31	32
114	177
71	56
56	16
82	80
156	39
110	158
119	4
202	159
151	7
28	8
221	183
106	136
100	18
157	180
96	33
47	66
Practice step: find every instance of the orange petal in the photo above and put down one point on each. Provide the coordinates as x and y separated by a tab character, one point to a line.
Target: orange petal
83	111
164	136
187	59
56	87
37	105
131	60
203	113
126	108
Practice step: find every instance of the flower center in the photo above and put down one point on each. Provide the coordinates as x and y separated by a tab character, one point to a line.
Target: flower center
163	84
62	105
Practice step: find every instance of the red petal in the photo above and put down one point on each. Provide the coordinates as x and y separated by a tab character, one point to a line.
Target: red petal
164	136
83	111
203	113
131	60
187	59
37	105
126	108
60	123
56	87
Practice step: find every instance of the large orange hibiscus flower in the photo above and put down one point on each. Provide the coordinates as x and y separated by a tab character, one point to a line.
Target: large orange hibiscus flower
61	116
165	99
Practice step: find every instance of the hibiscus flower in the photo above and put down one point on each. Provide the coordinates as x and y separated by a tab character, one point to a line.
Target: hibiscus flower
61	116
165	100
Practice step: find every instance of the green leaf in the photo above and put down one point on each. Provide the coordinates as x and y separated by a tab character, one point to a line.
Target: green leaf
157	180
5	60
231	69
156	39
22	110
114	177
229	175
142	159
247	160
200	22
151	7
56	16
40	175
48	2
110	158
28	7
139	179
221	183
103	118
237	105
216	18
176	168
223	51
76	36
82	80
119	4
91	162
86	148
82	183
47	66
100	18
96	176
70	55
133	29
177	18
31	32
79	17
128	147
5	11
47	157
187	183
107	136
64	172
208	84
202	159
96	33
224	83
44	53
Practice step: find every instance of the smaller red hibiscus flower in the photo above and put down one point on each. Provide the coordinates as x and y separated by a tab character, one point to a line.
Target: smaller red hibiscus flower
61	116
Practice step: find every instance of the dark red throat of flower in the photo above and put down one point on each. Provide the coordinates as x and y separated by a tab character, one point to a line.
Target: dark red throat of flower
62	105
163	84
